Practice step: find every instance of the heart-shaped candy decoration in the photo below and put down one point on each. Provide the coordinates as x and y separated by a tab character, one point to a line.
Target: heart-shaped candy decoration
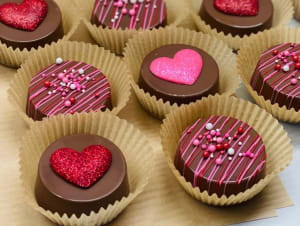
238	7
82	169
184	68
26	16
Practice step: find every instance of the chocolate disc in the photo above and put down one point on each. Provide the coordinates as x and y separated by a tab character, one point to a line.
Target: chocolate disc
56	194
277	75
206	80
67	87
221	155
142	14
237	25
49	30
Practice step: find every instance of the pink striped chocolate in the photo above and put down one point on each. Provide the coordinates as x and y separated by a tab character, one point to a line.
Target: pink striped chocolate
129	14
221	155
67	87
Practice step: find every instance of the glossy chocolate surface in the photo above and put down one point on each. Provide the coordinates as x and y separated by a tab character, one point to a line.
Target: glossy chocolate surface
236	171
94	93
238	25
147	15
207	83
57	195
50	30
279	86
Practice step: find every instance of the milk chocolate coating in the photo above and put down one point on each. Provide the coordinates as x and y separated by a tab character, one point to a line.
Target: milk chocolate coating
58	195
276	85
41	104
189	158
147	15
49	30
207	83
238	25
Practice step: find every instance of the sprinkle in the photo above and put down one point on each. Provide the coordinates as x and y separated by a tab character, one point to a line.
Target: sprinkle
81	71
196	142
209	126
68	103
229	158
240	154
240	143
212	148
72	86
286	68
230	151
59	60
212	156
219	161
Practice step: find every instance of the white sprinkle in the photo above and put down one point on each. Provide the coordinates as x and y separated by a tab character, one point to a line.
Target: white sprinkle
132	1
276	61
240	154
83	90
49	92
229	158
229	138
299	78
155	6
212	156
87	78
141	1
218	130
116	17
81	71
65	71
209	126
230	151
73	70
286	68
59	60
112	20
240	143
54	91
214	139
72	86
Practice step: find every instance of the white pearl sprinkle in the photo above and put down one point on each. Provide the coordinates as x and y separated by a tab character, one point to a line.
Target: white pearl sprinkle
141	1
116	17
276	61
240	154
81	71
155	6
54	91
218	130
87	78
59	60
132	1
209	126
240	143
286	68
299	78
214	139
72	86
112	20
212	156
230	151
73	70
229	138
229	158
49	92
65	71
83	90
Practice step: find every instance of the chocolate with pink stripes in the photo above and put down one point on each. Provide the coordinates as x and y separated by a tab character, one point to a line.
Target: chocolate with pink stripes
129	14
277	75
67	87
221	155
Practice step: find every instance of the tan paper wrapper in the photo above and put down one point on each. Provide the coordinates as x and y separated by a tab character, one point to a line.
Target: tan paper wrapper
297	9
278	144
132	142
136	51
247	60
163	202
115	40
112	66
283	13
15	57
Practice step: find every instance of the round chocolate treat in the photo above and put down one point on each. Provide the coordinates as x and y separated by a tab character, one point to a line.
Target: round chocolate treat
179	74
241	17
79	174
29	23
130	14
221	155
277	75
67	87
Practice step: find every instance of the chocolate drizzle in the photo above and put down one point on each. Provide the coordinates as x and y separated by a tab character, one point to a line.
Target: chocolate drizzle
228	170
144	14
276	76
67	88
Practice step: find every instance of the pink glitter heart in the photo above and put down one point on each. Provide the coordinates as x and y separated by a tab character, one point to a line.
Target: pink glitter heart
184	68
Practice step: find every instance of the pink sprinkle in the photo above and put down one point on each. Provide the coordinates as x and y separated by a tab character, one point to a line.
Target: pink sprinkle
219	140
196	142
212	148
293	54
251	155
200	137
65	80
64	93
219	161
204	146
135	6
286	53
75	80
213	132
124	11
293	81
218	134
83	86
78	89
119	4
67	103
208	137
61	76
206	133
285	60
227	135
132	12
244	154
44	75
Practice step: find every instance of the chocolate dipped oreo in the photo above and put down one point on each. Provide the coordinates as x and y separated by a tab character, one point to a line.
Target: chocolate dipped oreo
79	174
129	14
242	17
29	23
221	155
179	73
66	87
277	75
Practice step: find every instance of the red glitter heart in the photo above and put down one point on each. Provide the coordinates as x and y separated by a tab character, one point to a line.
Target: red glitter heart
26	16
238	7
82	169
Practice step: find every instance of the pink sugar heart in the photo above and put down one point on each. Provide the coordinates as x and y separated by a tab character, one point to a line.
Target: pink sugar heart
184	68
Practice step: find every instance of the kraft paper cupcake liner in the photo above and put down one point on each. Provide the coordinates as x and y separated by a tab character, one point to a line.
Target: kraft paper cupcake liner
283	13
115	39
276	140
297	9
142	44
112	67
15	57
247	60
133	144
